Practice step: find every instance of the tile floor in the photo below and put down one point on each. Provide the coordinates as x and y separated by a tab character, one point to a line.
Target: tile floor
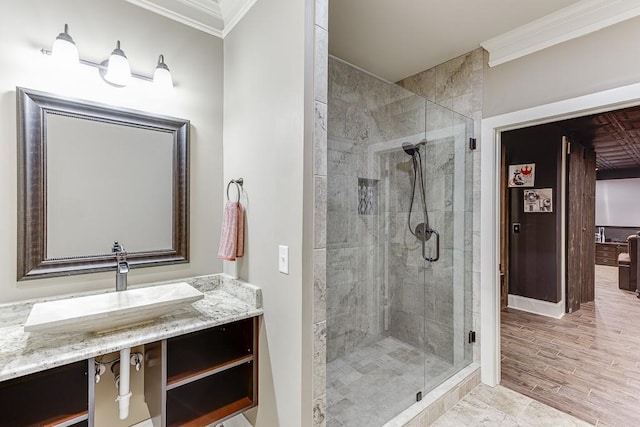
586	364
372	385
499	406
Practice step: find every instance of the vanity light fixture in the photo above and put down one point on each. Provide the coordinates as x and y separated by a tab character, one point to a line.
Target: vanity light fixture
115	70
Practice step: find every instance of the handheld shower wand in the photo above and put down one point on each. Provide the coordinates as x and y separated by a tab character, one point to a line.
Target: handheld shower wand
423	231
416	159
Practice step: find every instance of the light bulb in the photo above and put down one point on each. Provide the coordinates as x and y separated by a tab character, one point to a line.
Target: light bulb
162	75
64	50
118	71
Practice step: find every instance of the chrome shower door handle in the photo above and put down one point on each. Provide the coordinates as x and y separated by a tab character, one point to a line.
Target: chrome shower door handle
437	257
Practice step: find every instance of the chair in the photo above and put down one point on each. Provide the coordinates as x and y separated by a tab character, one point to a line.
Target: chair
628	265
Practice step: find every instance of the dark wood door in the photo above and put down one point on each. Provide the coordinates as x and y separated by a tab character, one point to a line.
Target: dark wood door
587	292
576	186
581	185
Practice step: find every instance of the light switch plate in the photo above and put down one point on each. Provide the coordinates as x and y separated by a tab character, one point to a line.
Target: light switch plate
283	259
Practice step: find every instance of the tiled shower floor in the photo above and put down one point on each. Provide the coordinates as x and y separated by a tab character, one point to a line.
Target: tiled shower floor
374	384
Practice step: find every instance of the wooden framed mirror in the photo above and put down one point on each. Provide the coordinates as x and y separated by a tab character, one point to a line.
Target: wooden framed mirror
91	174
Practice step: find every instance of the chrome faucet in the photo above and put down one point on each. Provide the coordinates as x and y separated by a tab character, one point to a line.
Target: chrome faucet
122	267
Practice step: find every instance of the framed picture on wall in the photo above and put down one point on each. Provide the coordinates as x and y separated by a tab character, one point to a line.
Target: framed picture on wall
538	200
522	175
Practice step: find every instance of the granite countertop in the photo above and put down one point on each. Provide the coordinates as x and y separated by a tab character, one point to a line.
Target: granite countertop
21	353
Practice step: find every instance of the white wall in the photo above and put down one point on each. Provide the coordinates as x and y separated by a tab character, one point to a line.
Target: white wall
603	60
264	142
618	202
195	60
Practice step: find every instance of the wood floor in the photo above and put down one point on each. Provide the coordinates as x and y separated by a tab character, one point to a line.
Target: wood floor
586	364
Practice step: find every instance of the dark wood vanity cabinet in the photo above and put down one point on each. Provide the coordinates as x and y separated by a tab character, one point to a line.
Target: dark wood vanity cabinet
607	253
193	380
56	397
202	377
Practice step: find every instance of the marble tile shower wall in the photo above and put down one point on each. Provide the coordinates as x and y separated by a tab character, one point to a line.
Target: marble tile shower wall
320	80
366	251
362	111
458	84
422	294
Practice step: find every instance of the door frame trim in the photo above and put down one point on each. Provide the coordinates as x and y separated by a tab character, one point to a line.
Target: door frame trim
491	129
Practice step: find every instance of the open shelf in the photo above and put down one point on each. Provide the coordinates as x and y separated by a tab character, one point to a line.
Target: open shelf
204	377
187	377
212	398
217	414
74	420
192	354
54	397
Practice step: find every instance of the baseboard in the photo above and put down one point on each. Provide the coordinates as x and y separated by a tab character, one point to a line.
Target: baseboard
531	305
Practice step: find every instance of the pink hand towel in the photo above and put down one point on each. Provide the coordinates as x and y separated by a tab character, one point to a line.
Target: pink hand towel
232	236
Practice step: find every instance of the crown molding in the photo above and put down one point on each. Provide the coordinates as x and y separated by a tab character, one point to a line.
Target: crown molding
233	11
565	24
215	17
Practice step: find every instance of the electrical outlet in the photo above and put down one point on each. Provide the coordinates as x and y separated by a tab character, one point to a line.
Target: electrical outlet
283	259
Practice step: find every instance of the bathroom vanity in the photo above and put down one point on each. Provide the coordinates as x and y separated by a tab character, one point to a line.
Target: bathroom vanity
200	363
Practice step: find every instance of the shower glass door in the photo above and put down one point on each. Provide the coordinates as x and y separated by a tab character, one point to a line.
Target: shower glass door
396	323
448	173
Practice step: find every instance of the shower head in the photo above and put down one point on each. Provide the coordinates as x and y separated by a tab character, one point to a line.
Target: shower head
409	148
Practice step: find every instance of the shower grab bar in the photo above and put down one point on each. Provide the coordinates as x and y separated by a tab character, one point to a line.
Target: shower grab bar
437	257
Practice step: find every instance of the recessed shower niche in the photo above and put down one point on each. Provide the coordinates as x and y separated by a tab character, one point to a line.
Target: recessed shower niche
367	196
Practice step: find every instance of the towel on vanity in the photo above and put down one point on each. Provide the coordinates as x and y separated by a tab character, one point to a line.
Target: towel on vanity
232	236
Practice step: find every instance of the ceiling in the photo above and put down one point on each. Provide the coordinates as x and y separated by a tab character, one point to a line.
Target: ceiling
399	38
396	39
614	136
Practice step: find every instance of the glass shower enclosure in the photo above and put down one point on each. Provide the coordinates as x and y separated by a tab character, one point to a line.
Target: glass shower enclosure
399	247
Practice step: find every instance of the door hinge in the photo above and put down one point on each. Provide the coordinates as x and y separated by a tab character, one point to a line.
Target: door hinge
472	337
418	396
472	144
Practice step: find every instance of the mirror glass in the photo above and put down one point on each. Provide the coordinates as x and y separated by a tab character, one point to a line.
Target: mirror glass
113	186
91	174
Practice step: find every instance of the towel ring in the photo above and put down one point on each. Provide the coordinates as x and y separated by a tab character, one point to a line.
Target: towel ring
238	182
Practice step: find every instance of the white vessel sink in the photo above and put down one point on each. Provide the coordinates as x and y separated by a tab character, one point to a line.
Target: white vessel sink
114	310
